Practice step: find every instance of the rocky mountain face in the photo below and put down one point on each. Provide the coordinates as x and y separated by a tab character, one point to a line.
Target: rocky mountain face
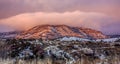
59	31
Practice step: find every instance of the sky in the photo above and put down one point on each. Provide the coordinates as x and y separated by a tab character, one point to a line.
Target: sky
102	15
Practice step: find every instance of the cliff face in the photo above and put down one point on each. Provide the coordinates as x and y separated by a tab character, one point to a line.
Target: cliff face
57	31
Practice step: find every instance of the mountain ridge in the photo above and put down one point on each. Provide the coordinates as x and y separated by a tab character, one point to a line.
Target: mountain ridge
58	31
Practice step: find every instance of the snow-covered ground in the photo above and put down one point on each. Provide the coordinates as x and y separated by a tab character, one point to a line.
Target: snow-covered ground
83	39
108	40
73	39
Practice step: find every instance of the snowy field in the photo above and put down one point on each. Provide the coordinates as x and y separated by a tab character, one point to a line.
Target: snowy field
71	50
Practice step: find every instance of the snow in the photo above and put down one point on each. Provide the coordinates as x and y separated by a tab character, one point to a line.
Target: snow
83	39
108	40
87	50
102	57
73	39
25	53
53	50
76	46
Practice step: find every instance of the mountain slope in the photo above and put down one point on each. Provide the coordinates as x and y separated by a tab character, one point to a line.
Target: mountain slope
58	31
9	35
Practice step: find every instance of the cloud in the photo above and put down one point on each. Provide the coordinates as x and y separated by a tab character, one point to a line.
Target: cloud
93	20
13	7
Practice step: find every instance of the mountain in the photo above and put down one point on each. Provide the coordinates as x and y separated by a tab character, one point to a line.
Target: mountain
114	36
59	31
9	35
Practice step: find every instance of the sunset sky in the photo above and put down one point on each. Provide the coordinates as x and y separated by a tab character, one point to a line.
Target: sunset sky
103	15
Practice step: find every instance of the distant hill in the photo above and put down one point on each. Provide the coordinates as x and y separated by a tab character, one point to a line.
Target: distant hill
114	36
9	35
58	31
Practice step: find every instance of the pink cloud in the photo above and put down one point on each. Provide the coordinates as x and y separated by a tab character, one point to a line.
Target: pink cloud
93	20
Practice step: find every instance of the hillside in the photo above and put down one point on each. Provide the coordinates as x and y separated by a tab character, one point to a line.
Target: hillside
58	31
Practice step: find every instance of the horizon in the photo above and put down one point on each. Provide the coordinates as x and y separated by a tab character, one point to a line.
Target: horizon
99	15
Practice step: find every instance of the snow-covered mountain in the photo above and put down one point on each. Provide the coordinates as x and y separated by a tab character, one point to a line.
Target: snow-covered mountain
59	31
